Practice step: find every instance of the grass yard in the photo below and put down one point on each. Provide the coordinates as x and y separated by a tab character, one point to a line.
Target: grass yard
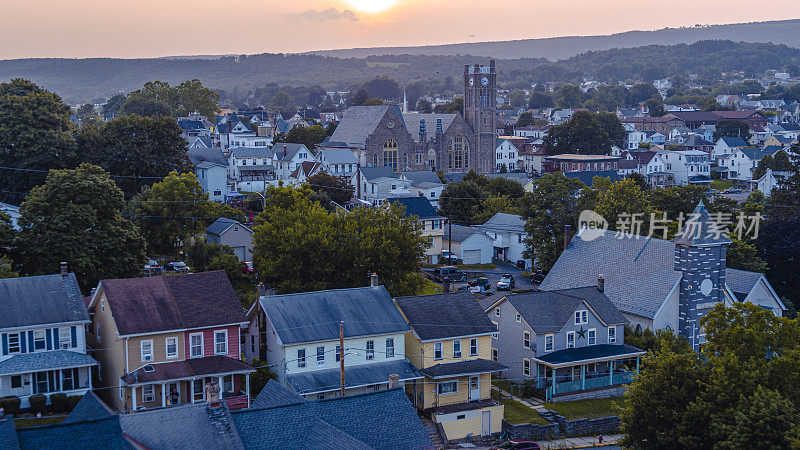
586	409
34	421
489	266
430	288
515	412
722	185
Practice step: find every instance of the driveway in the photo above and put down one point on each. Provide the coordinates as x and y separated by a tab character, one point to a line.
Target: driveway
522	282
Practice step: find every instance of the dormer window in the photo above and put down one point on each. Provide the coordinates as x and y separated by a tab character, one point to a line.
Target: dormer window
581	317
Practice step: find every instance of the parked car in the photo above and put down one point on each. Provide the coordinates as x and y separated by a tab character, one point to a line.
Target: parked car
506	282
517	445
176	266
538	276
448	258
454	273
152	268
733	190
480	285
247	268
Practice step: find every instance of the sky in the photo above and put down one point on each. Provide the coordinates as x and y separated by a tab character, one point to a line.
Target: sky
153	28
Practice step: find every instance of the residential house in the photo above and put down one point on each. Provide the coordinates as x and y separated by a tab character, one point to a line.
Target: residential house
288	157
299	336
508	231
12	212
771	180
169	340
211	169
578	163
451	345
251	169
376	184
726	146
506	156
234	234
43	339
425	183
338	161
753	119
430	222
686	166
570	342
231	132
741	164
304	171
691	142
662	125
659	284
470	245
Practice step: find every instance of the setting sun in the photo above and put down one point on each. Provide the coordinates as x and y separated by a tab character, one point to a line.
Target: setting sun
371	6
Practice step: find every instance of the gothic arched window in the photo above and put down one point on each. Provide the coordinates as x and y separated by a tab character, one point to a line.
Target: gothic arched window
390	154
459	153
405	161
375	160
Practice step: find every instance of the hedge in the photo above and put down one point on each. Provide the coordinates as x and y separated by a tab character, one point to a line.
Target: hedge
10	404
38	403
58	402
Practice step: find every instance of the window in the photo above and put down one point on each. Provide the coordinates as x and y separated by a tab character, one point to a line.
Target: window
592	336
581	317
301	357
171	346
221	342
227	383
526	367
457	349
473	347
196	345
146	350
390	154
103	305
448	387
41	383
148	393
459	153
390	347
518	318
526	339
338	353
39	342
320	355
570	339
497	312
13	343
612	335
494	354
548	343
370	350
64	338
16	381
69	379
375	160
437	350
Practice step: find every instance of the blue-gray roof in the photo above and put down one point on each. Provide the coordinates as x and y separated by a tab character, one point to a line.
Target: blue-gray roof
460	368
222	225
754	153
417	177
285	151
412	121
213	155
734	141
416	206
89	408
521	177
39	361
250	152
588	353
315	381
370	173
273	394
338	156
315	316
41	300
442	316
8	434
461	233
358	123
504	223
103	433
182	427
701	229
587	177
741	282
378	420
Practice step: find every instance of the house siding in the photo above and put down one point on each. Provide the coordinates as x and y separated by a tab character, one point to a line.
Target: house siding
208	341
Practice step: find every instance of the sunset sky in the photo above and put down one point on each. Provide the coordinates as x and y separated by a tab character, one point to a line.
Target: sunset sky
149	28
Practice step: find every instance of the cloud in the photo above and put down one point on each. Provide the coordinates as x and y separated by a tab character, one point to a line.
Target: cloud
326	15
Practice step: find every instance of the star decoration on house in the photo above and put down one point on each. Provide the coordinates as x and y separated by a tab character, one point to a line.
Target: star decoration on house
581	333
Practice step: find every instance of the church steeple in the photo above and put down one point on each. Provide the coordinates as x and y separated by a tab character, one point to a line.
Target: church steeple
405	101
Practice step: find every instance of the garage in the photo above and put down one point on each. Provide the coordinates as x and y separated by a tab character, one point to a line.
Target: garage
240	253
472	256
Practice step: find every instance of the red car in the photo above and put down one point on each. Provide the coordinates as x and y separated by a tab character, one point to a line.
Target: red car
247	268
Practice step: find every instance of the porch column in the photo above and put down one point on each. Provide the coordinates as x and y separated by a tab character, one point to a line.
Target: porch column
553	376
637	365
133	395
247	388
221	390
538	374
611	372
90	378
163	395
191	389
583	377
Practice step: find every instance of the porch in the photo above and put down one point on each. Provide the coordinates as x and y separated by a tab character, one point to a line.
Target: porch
586	368
46	373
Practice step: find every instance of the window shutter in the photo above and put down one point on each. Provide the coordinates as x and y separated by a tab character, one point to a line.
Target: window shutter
74	334
5	344
49	339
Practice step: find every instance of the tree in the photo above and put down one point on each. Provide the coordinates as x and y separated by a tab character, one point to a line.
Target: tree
6	269
461	202
281	102
335	189
641	92
299	246
383	88
540	100
655	106
159	98
373	102
113	106
424	106
357	98
766	162
582	134
308	136
732	128
613	128
194	97
743	255
525	119
35	135
569	96
454	107
517	98
76	217
617	200
331	128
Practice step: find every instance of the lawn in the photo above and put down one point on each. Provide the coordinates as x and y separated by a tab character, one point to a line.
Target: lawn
515	412
722	185
488	266
586	409
430	288
34	421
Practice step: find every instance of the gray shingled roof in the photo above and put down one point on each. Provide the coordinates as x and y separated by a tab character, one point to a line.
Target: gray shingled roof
549	311
315	316
418	177
315	381
472	366
222	225
504	223
273	394
741	282
90	407
39	361
250	152
358	123
443	316
416	206
370	173
338	156
103	433
40	300
213	155
288	148
589	352
461	233
182	427
412	123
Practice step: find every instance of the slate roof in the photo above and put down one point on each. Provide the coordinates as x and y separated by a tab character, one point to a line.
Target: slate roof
695	116
338	156
286	151
755	154
473	366
772	149
504	223
421	176
101	433
734	142
250	152
741	282
357	123
416	206
213	155
8	434
189	125
182	427
90	407
175	302
550	311
336	423
222	225
701	229
188	368
445	315
588	353
315	316
587	177
370	173
274	394
49	360
454	177
41	300
461	233
326	380
412	123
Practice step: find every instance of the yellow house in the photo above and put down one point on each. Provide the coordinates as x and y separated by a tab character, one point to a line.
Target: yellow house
430	223
450	344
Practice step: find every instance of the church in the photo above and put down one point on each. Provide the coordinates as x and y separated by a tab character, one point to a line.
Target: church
386	136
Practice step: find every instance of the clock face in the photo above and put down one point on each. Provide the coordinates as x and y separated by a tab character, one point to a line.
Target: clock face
706	286
472	81
485	81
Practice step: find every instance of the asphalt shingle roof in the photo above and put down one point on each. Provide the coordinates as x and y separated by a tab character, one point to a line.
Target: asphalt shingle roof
213	155
285	151
461	233
421	176
315	316
447	370
89	408
273	394
39	361
445	315
357	123
370	173
416	206
549	311
354	376
504	223
188	368
250	152
338	156
102	433
741	282
589	352
40	300
222	225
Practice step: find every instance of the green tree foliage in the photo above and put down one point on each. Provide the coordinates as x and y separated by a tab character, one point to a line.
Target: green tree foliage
35	134
541	100
383	88
357	98
85	110
740	392
569	96
779	162
582	134
6	268
461	202
655	106
476	198
159	98
308	136
76	217
743	255
641	92
613	128
517	98
137	148
113	106
454	107
617	200
373	102
732	128
299	246
331	188
424	106
525	119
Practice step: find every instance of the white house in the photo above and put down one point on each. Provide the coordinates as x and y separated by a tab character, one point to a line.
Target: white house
288	157
741	164
506	155
211	169
726	146
687	166
770	180
471	245
376	184
299	336
508	231
251	169
231	132
425	183
337	161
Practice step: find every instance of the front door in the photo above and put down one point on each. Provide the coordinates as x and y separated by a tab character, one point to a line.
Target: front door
173	393
474	388
486	423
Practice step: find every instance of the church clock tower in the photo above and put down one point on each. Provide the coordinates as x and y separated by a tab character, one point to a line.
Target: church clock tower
480	111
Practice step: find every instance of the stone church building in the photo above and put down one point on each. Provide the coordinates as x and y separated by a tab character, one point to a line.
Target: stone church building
386	136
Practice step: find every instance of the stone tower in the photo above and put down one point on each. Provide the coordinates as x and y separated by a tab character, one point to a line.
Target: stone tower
700	254
480	111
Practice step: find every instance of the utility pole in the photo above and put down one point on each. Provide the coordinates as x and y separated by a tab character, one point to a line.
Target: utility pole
341	358
450	242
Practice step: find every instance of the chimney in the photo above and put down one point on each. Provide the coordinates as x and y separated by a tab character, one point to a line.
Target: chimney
567	235
394	381
373	280
64	270
601	283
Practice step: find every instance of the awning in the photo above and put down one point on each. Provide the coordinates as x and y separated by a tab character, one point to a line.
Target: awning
190	368
41	361
588	354
328	380
471	367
